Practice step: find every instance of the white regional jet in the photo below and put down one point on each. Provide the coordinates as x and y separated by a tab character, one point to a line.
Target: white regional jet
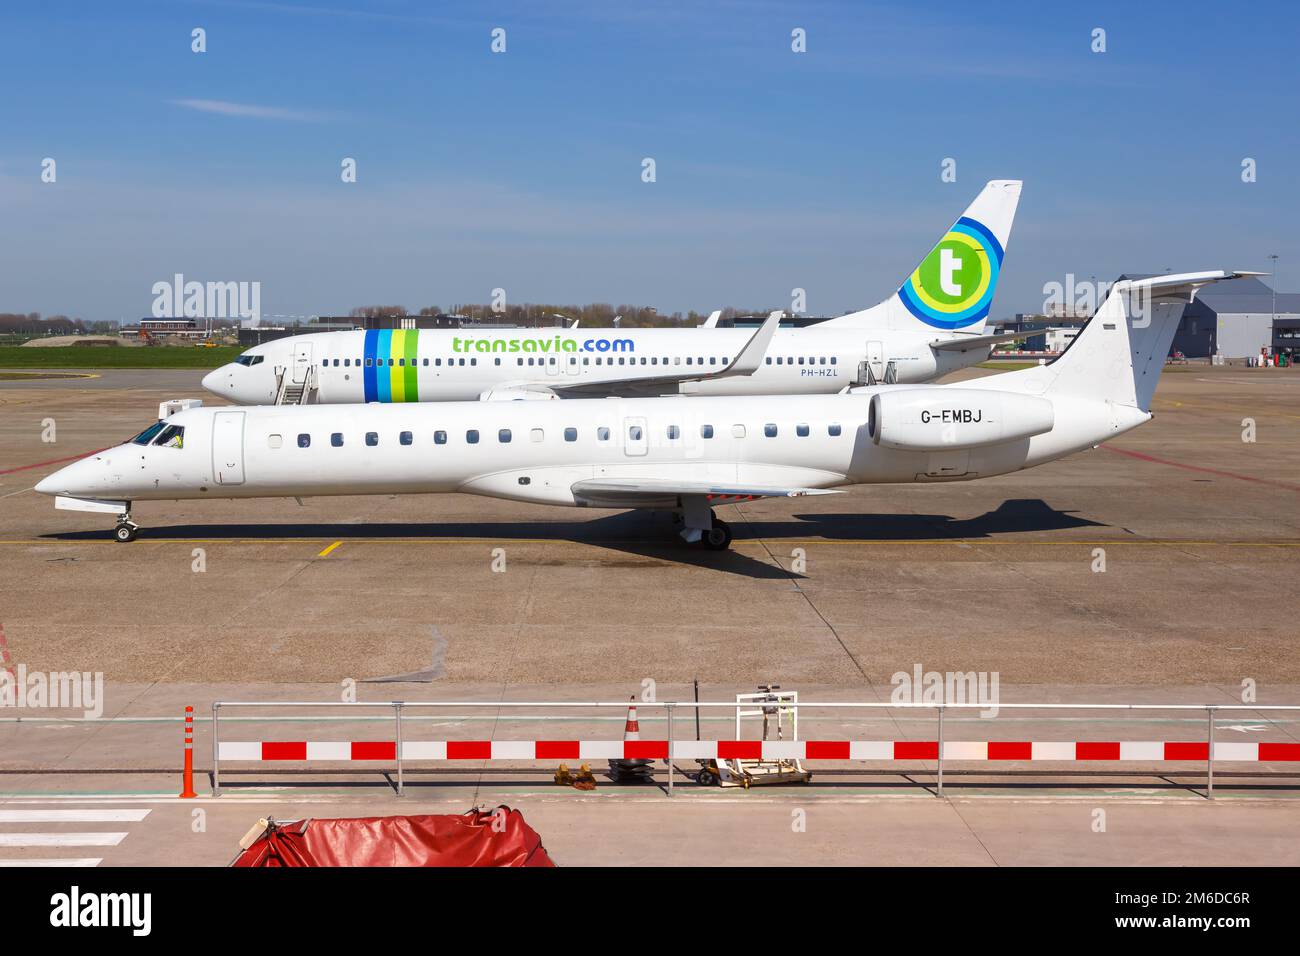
678	454
932	325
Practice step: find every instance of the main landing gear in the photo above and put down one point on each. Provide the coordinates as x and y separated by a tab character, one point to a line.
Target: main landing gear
697	523
126	529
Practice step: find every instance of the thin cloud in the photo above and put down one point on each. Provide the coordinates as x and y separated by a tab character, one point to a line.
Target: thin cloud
225	108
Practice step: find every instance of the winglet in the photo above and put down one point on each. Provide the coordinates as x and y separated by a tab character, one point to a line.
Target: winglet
751	356
712	321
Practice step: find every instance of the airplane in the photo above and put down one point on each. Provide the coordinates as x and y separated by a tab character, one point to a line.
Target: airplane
933	324
683	455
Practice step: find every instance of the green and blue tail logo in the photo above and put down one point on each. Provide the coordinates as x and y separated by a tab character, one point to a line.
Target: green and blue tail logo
953	286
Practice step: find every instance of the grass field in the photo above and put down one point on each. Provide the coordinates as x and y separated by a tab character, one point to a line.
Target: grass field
160	356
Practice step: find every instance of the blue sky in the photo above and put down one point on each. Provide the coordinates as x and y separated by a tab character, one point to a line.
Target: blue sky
522	170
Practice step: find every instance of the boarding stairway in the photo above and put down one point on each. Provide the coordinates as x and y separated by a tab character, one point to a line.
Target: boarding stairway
289	392
867	375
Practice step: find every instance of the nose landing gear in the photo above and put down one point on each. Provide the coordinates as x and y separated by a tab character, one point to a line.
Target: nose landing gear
126	529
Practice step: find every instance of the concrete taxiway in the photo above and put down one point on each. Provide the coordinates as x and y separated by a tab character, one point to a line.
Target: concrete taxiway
1198	532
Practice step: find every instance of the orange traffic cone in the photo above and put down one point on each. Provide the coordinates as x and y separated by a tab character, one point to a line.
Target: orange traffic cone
635	770
187	789
631	730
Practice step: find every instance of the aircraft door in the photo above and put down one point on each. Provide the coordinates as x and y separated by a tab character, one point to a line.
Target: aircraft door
876	359
301	361
635	440
228	448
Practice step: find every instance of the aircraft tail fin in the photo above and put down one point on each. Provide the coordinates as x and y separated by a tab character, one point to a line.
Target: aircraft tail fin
1120	352
953	287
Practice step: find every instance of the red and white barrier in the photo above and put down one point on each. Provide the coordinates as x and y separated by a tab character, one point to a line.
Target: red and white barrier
880	750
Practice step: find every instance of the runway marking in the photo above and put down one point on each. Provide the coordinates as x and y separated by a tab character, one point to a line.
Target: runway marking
73	816
1142	456
1090	542
62	839
78	861
1179	403
55	461
326	552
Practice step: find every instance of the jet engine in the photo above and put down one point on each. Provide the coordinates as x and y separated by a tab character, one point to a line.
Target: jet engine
938	419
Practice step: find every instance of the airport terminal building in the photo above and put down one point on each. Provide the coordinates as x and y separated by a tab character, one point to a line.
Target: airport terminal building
1238	319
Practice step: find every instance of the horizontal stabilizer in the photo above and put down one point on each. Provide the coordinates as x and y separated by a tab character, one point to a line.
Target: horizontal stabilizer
964	343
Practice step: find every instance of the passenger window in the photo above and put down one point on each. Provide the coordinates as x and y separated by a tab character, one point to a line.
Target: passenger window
400	361
426	363
336	439
737	431
801	431
471	436
440	438
347	363
369	362
406	438
768	360
833	430
832	359
536	435
778	360
274	441
634	432
674	432
304	440
602	434
706	431
570	434
496	361
503	436
372	439
769	430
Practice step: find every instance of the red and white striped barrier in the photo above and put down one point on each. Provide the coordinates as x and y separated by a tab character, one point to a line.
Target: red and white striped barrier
973	750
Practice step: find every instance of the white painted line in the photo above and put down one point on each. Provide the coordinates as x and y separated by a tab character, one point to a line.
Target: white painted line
73	816
81	861
61	839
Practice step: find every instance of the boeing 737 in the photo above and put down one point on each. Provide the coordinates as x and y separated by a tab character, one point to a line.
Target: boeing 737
932	325
677	454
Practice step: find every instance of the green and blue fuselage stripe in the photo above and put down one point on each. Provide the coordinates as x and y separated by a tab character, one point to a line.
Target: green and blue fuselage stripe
391	365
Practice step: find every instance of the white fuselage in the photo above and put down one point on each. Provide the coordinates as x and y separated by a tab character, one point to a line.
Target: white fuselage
402	366
537	451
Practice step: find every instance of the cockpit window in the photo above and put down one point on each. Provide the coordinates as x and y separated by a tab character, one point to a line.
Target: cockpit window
173	436
149	434
247	359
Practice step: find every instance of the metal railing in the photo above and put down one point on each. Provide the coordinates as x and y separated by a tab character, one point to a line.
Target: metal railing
669	707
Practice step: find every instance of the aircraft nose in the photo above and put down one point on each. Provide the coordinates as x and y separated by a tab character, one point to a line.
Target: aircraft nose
63	481
212	381
83	477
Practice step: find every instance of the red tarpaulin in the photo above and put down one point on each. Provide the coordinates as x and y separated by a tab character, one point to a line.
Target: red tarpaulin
474	838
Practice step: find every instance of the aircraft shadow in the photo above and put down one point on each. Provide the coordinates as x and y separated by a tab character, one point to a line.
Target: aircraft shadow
650	534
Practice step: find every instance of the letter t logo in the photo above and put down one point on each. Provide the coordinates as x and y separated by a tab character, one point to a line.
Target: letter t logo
948	266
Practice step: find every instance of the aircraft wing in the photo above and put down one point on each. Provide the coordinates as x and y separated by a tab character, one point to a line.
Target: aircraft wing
746	363
964	343
658	492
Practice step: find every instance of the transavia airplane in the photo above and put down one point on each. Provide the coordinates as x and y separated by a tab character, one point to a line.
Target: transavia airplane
932	325
677	454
